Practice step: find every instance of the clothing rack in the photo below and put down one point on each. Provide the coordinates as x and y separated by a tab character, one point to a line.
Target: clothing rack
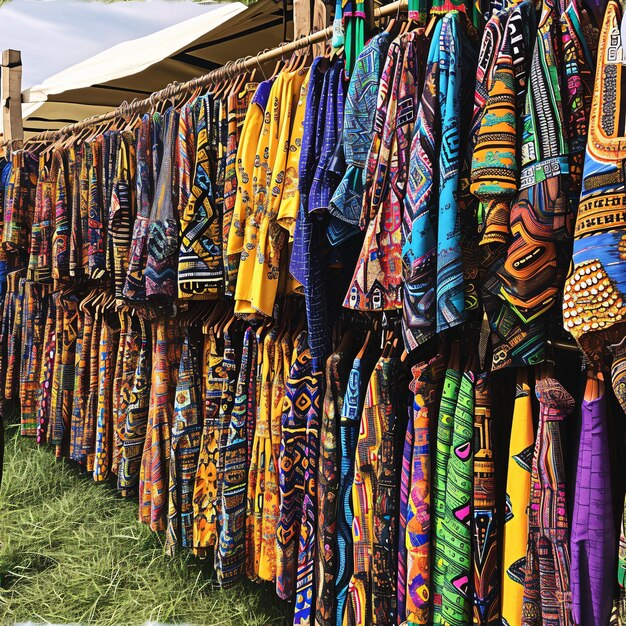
229	70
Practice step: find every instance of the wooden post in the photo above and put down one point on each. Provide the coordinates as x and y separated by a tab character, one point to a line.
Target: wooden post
12	97
308	16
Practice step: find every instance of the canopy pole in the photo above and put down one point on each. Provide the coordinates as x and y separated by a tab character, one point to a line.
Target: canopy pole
11	70
229	70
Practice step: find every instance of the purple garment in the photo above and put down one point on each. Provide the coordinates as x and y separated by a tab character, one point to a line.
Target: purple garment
593	527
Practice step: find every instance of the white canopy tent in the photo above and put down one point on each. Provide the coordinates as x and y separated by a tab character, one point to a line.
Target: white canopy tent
136	68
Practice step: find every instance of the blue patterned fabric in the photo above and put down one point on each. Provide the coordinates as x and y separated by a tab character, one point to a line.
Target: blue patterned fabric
358	125
434	297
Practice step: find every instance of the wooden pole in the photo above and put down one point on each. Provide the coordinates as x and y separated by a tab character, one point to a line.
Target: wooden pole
12	97
309	16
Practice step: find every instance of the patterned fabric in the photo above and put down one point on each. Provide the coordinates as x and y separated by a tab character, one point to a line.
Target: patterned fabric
185	444
425	388
135	285
372	589
162	243
376	284
547	595
309	401
433	274
515	534
154	472
227	401
328	489
122	212
246	182
238	105
19	201
594	292
136	415
349	432
359	114
109	342
231	557
593	528
456	537
486	604
291	460
445	429
95	209
205	531
200	263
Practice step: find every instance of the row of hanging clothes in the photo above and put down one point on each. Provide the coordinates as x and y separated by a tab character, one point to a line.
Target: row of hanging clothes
320	324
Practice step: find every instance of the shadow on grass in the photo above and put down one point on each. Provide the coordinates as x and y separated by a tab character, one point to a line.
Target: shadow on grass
73	552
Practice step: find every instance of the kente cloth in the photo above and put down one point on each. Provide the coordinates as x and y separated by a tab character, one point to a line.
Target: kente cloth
160	273
593	534
78	250
515	534
237	108
540	220
445	428
205	530
186	152
486	588
31	360
291	460
200	262
455	542
328	475
45	377
433	296
127	359
305	575
135	285
19	202
96	218
261	453
136	415
593	301
370	585
122	212
377	281
349	425
185	444
84	330
246	155
621	569
61	218
229	368
495	173
154	472
358	126
547	594
231	546
425	388
109	342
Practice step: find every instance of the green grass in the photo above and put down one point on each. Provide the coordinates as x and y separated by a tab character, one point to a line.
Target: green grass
73	552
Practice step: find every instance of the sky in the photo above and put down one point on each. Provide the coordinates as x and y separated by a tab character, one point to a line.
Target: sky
55	34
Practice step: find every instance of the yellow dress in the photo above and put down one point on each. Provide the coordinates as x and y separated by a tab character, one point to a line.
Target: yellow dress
517	503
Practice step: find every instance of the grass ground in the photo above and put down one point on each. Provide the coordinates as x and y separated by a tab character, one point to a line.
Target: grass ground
73	552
